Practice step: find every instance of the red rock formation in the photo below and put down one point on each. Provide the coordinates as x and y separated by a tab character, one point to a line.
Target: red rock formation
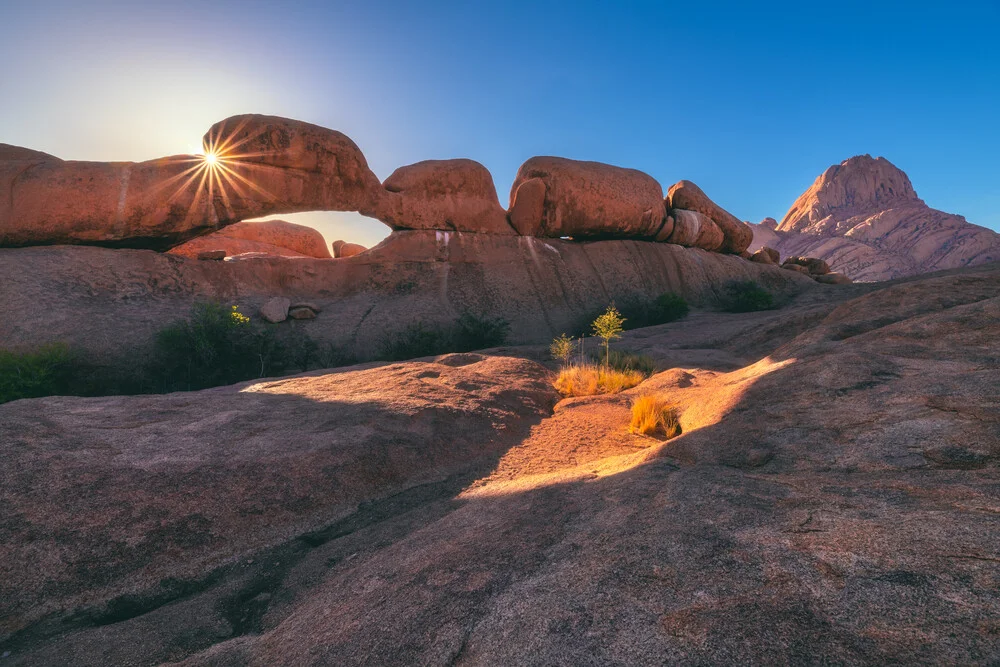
456	195
343	249
695	230
737	235
865	219
265	165
555	197
274	237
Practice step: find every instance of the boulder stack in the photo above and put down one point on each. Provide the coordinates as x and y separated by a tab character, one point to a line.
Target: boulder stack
555	197
456	195
737	235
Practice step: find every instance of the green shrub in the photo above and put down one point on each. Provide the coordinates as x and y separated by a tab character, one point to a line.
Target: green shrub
47	371
640	311
416	340
475	332
668	307
216	346
609	326
746	296
627	361
468	332
561	348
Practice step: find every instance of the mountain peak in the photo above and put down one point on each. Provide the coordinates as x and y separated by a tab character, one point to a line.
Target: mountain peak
859	185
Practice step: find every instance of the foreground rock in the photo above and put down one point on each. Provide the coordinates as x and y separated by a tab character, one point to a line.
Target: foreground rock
834	494
109	302
274	237
190	483
864	218
456	195
554	197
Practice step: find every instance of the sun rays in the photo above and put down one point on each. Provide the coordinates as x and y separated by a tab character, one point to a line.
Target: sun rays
219	184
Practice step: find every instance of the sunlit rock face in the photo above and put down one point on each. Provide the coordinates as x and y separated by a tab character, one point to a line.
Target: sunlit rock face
274	237
736	235
695	230
865	219
457	195
256	165
554	197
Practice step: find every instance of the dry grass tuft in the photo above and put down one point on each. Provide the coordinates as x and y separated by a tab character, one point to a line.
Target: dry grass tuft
651	414
590	379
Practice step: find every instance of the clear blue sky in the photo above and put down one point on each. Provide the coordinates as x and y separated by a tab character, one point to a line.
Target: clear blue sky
750	101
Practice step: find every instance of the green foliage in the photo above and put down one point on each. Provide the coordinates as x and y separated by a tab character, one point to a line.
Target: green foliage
468	332
215	346
47	371
628	361
562	348
642	312
475	332
668	307
608	327
416	340
746	296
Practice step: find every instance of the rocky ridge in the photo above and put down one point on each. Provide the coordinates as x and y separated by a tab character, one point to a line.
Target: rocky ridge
864	218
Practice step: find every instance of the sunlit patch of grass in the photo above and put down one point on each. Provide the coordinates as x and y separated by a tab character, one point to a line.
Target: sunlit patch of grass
651	415
591	379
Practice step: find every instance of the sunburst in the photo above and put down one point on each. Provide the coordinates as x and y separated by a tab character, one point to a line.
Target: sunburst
215	176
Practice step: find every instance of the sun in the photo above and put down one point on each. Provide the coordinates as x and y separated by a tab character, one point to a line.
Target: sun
211	158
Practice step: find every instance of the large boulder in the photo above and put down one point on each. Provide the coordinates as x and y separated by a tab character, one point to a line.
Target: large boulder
455	195
695	230
343	249
265	165
275	237
765	256
814	265
554	197
737	234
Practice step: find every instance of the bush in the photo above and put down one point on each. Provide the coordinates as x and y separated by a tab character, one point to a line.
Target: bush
47	371
216	346
641	312
416	340
651	415
468	332
562	348
628	361
475	332
668	307
746	296
591	379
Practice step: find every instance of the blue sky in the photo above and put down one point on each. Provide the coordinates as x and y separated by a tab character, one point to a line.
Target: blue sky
750	101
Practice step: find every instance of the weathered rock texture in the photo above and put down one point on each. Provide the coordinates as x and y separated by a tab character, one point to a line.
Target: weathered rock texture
554	197
343	249
456	195
833	498
865	219
275	237
266	165
736	235
694	230
106	300
259	165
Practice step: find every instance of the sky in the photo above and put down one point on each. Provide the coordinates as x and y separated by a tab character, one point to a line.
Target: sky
752	101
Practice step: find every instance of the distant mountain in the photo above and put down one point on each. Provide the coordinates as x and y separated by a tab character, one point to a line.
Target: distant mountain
865	219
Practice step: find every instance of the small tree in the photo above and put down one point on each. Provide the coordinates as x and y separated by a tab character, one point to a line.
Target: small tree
562	349
607	327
